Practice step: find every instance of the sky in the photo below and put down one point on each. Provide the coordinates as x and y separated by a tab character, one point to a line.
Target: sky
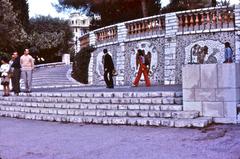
44	7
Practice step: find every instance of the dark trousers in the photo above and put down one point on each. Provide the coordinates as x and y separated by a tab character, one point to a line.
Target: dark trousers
16	80
108	79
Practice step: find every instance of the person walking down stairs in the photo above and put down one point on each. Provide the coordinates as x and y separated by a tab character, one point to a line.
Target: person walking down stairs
27	66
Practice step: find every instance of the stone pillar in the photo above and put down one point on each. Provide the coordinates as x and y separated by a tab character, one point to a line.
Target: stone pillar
66	59
122	34
171	21
237	32
92	42
213	90
92	38
90	70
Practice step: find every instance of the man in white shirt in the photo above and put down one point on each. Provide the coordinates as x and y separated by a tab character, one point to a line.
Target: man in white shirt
27	66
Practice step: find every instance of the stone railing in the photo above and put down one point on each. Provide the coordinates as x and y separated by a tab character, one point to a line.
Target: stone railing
84	41
146	27
106	35
205	19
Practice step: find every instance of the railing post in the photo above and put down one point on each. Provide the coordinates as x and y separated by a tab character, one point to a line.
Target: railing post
237	32
122	35
92	39
171	22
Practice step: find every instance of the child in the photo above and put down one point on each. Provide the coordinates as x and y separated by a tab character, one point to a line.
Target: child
4	69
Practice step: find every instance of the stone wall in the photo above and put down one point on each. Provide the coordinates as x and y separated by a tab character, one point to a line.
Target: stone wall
214	41
171	43
212	89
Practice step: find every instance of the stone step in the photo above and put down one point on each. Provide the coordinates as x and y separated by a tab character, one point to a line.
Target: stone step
197	122
105	112
106	94
106	106
96	100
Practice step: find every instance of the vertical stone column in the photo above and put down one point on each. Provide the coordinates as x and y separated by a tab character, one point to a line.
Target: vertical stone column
171	21
120	66
92	42
237	32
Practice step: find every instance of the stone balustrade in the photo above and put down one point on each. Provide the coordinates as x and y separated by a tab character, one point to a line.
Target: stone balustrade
105	35
206	19
146	27
84	41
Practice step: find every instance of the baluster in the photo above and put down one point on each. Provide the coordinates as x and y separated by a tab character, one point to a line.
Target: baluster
207	24
214	21
186	23
132	29
219	20
191	27
202	22
225	20
197	25
160	26
231	19
180	23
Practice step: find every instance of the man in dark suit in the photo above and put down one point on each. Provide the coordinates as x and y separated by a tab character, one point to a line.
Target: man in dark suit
108	68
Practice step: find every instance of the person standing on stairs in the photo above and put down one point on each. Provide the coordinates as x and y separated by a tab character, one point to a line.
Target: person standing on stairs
27	66
16	73
4	69
108	69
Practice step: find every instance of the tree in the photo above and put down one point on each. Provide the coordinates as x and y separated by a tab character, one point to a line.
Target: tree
20	7
12	33
114	11
180	5
49	37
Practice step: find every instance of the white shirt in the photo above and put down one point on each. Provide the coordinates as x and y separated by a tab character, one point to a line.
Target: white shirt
5	69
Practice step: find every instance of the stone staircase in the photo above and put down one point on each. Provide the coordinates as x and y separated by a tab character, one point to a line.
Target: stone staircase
118	108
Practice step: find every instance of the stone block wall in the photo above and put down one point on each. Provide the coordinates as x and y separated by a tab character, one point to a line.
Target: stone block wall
212	89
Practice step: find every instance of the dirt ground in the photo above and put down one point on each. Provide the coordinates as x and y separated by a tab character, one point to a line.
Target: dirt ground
26	139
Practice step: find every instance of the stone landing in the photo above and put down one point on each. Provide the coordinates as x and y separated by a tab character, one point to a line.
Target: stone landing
118	108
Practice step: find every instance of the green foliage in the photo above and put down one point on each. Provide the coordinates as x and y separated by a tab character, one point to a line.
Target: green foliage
4	54
12	33
49	37
81	64
180	5
20	7
113	11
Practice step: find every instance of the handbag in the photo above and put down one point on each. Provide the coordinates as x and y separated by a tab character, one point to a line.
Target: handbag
114	72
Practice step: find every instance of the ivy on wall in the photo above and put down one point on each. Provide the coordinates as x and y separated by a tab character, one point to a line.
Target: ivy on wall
81	65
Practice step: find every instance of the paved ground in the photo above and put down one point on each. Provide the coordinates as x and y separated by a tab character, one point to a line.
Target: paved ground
25	139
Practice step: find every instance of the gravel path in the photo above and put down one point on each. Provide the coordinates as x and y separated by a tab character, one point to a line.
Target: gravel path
25	139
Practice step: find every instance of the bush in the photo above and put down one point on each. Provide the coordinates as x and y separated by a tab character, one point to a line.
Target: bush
81	64
3	54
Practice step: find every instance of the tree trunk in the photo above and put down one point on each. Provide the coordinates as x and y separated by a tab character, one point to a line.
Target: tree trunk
144	8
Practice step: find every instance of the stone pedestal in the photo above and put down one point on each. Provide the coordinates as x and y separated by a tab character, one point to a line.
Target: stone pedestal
212	89
66	59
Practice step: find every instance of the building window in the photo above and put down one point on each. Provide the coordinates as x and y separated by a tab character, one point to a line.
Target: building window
72	22
83	22
76	30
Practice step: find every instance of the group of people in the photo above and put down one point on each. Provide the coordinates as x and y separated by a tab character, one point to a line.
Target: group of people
142	64
14	69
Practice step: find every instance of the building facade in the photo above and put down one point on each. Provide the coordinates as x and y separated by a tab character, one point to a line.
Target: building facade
80	25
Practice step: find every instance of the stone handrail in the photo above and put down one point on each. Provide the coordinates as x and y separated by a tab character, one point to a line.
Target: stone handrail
49	65
206	19
107	34
146	26
184	22
84	41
